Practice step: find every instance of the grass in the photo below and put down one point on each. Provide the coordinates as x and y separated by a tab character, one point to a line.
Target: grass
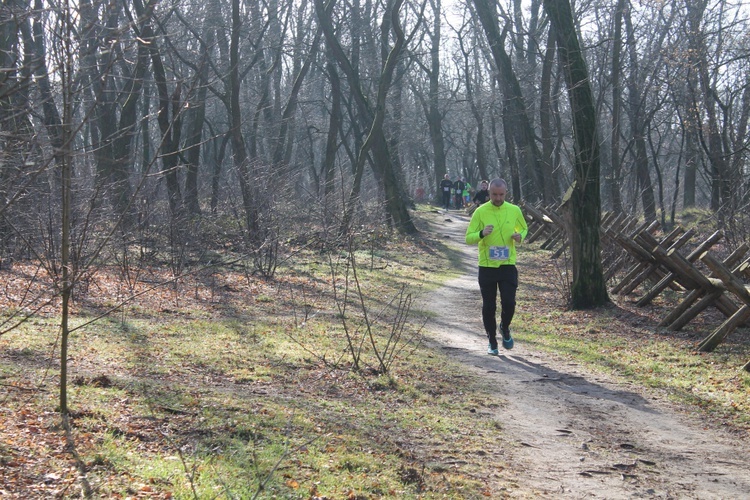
249	389
666	362
254	394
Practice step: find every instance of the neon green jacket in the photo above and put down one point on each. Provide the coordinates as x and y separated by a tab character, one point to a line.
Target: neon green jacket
506	220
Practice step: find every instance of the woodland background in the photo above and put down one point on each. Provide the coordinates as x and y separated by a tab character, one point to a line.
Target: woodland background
184	187
171	113
174	133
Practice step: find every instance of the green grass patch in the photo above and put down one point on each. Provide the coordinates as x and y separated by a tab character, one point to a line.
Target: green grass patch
648	356
267	389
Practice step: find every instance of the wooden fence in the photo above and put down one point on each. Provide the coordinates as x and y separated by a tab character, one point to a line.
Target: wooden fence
639	257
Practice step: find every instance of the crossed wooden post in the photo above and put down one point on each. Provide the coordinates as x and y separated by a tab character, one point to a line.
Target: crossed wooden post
670	277
646	271
740	290
618	256
710	291
640	255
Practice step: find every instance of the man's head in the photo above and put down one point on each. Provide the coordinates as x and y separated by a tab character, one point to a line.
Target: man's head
446	176
498	190
484	185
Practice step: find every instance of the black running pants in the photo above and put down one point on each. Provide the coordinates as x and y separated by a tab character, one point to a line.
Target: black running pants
492	279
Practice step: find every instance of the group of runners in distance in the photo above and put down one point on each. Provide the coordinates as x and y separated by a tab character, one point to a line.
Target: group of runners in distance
496	227
458	194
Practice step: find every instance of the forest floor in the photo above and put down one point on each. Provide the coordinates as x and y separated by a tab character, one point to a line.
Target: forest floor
574	433
589	404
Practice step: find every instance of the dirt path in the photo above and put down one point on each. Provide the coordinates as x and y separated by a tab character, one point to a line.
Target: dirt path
570	434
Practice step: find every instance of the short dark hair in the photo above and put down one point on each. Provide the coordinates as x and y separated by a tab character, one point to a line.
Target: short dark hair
498	182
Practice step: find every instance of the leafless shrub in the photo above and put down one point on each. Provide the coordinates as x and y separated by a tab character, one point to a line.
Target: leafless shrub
387	331
563	277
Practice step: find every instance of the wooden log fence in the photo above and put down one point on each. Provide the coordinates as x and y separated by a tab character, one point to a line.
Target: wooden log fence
652	271
539	224
670	277
732	282
634	252
676	240
710	291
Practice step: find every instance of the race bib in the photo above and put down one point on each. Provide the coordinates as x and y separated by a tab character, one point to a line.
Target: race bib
446	189
499	253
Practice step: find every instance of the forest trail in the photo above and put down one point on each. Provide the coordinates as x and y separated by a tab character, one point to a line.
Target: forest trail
567	433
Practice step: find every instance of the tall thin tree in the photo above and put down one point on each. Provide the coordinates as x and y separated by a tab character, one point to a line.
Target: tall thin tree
589	287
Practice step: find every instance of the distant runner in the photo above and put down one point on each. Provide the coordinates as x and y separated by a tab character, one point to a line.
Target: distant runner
446	186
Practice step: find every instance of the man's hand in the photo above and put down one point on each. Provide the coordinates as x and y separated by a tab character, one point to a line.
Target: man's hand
517	237
487	230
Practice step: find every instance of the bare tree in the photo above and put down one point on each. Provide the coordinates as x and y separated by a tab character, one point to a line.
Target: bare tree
516	108
471	60
615	161
433	112
376	142
589	288
636	113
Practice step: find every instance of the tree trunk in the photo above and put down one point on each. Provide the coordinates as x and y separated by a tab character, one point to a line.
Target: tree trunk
195	130
589	288
545	117
510	151
168	116
722	192
435	117
516	106
396	209
638	127
111	175
481	156
689	123
739	153
59	130
329	159
287	116
239	151
169	120
615	169
15	126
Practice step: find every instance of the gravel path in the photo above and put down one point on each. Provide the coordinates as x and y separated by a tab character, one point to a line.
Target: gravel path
567	433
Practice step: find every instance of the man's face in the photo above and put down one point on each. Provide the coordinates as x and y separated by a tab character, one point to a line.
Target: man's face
497	195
